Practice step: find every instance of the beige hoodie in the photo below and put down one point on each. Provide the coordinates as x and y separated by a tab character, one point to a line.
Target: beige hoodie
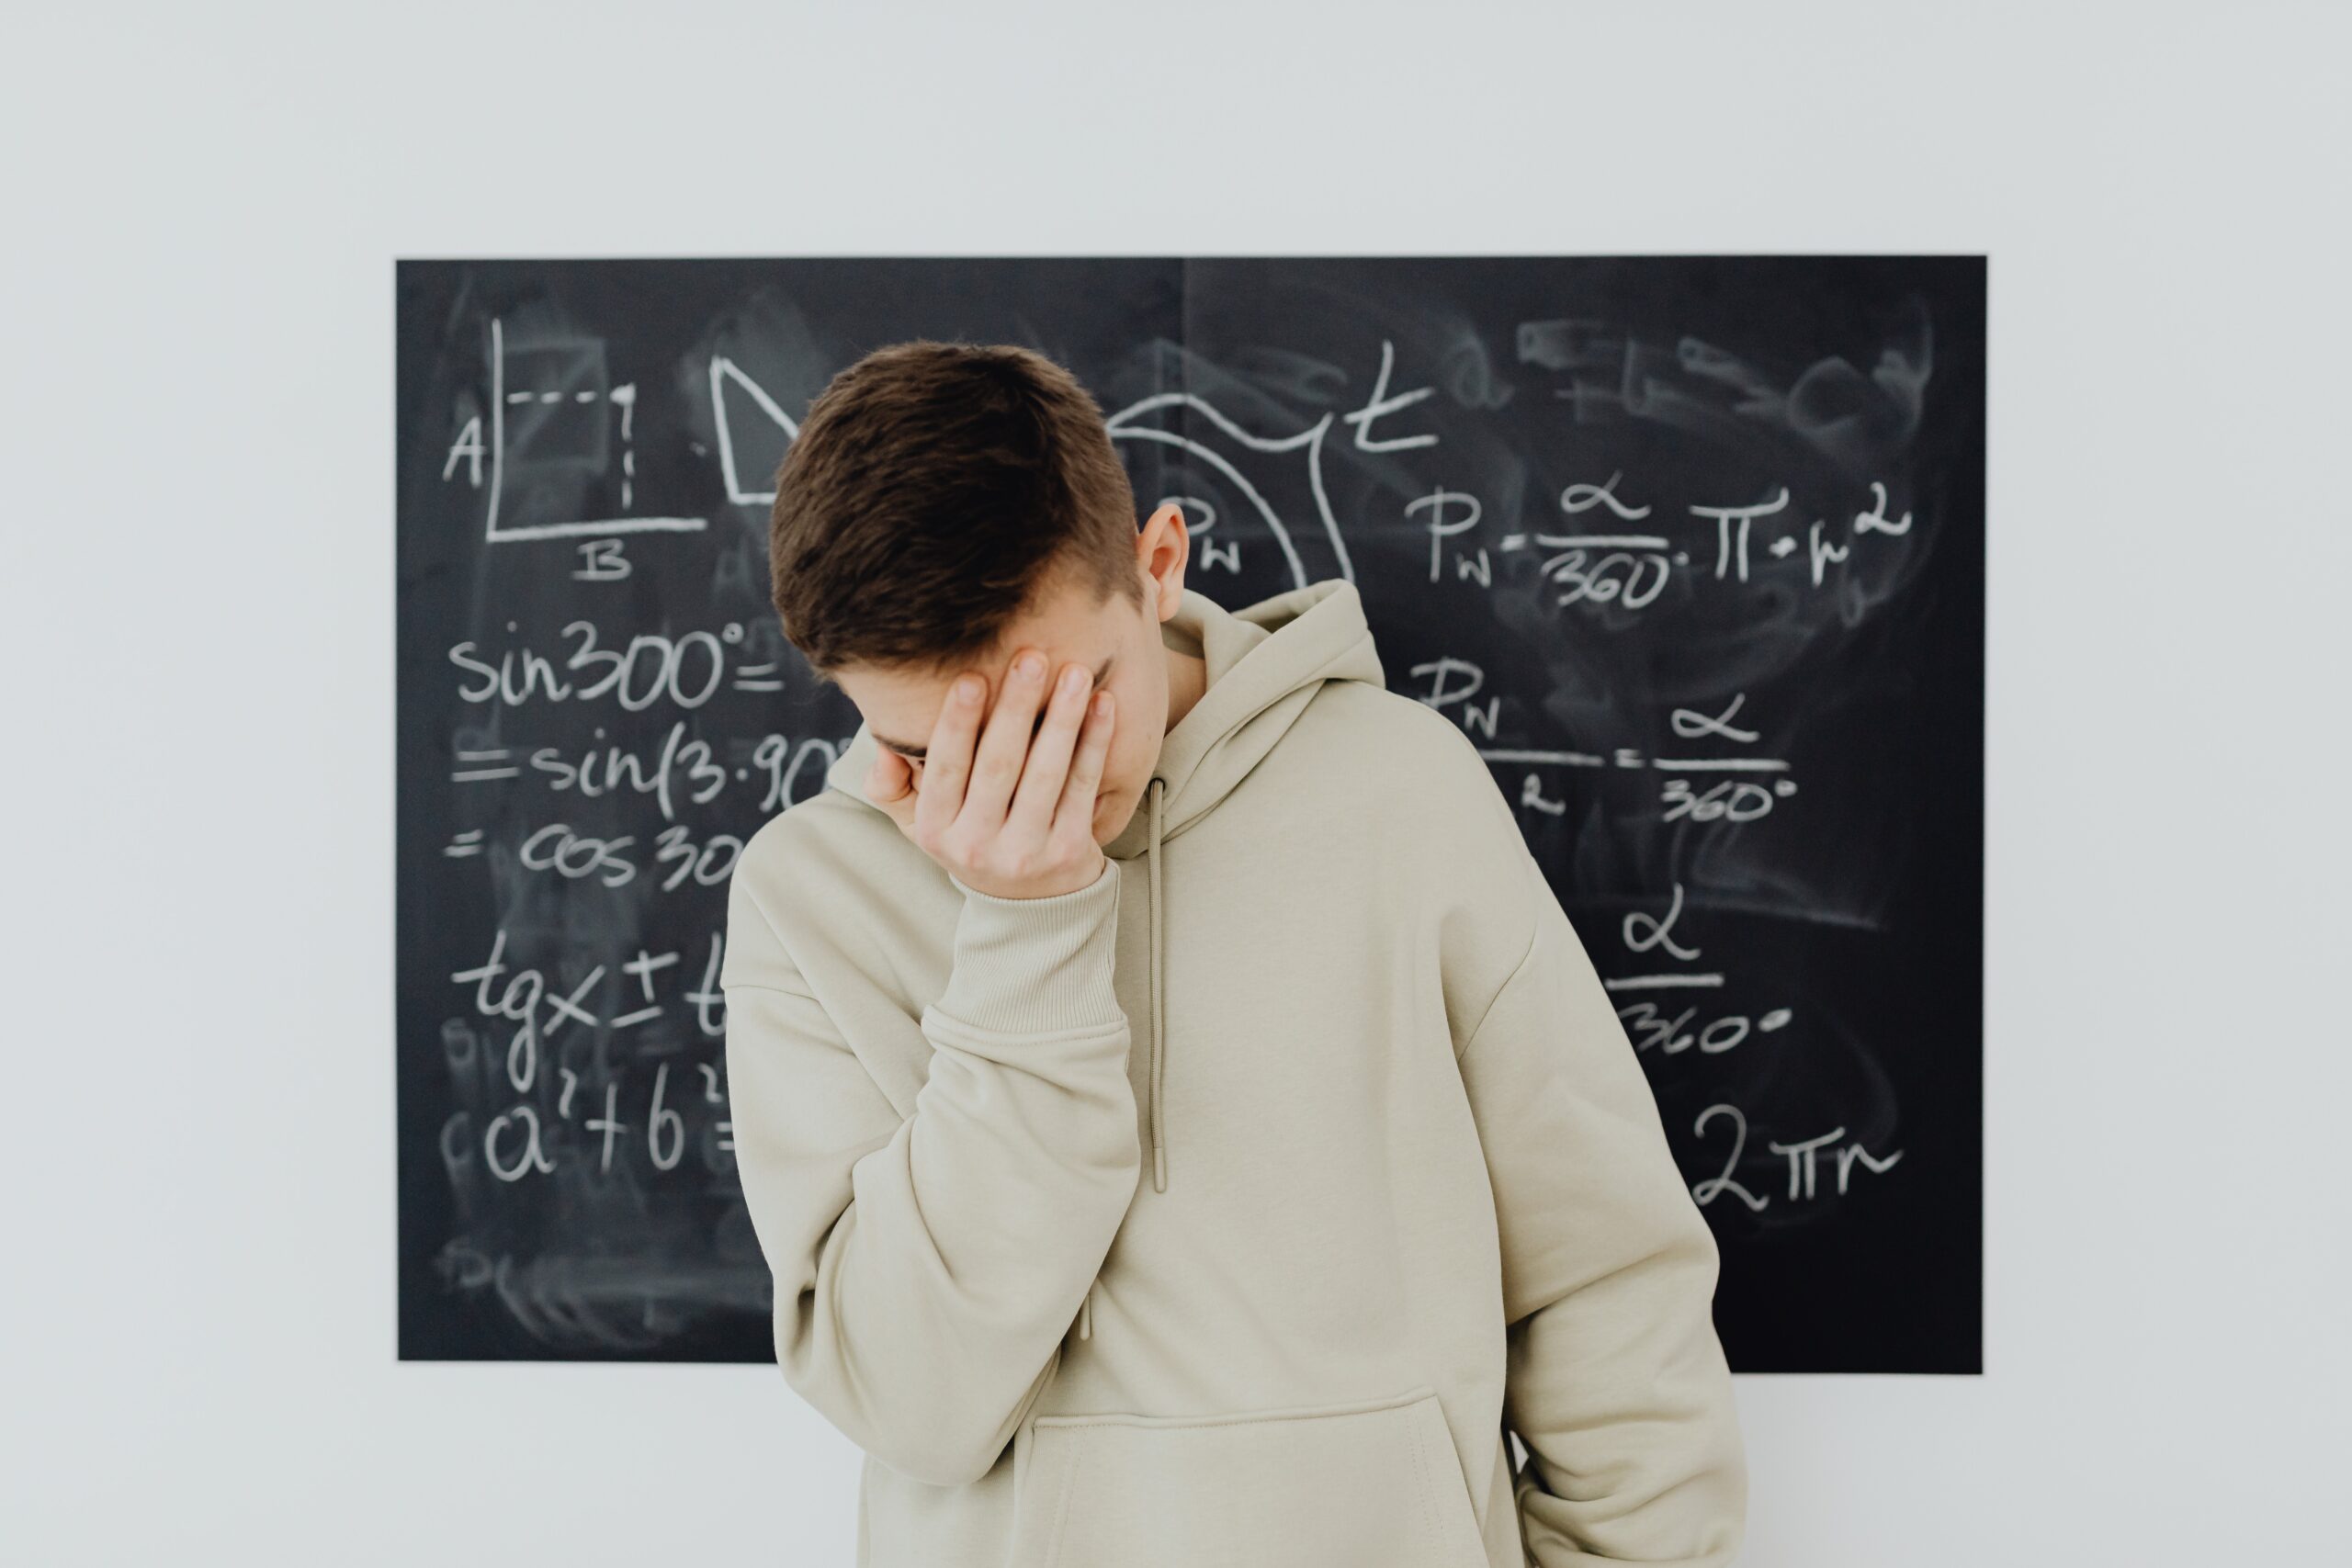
1230	1209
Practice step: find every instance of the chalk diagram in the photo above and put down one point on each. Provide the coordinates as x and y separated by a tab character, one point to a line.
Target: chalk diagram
557	425
553	431
1127	425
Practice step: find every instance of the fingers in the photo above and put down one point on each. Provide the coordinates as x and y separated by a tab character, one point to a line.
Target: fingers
1076	812
1004	742
1038	798
1012	777
947	758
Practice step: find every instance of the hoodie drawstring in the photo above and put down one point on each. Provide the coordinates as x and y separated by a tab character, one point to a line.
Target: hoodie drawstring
1155	1058
1158	1003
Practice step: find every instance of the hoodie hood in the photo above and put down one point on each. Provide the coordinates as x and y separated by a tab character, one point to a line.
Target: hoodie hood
1266	662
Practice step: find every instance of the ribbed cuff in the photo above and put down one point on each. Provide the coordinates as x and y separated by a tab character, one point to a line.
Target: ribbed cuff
1036	966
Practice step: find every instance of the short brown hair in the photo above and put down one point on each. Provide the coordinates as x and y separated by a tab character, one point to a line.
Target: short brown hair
933	491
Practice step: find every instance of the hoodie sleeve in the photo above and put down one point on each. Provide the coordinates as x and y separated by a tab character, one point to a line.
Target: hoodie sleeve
927	1266
1616	1380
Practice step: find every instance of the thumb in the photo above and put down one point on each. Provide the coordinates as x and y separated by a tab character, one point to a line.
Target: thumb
889	780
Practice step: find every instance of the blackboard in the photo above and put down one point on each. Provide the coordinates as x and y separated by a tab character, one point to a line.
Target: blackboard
1691	547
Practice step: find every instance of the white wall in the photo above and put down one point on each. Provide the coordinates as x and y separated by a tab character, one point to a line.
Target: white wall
204	204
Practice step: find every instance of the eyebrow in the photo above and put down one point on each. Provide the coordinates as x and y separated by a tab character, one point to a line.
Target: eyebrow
915	753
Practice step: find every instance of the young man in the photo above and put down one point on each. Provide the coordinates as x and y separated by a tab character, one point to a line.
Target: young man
1184	1128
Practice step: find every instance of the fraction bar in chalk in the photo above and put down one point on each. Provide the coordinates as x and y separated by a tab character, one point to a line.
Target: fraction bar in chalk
1661	982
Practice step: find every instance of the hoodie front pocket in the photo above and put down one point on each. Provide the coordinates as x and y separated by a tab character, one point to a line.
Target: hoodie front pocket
1374	1484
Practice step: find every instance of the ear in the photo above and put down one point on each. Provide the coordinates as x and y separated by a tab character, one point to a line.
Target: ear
1163	547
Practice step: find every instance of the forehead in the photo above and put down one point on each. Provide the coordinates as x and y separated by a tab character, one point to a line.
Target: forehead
904	724
901	703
